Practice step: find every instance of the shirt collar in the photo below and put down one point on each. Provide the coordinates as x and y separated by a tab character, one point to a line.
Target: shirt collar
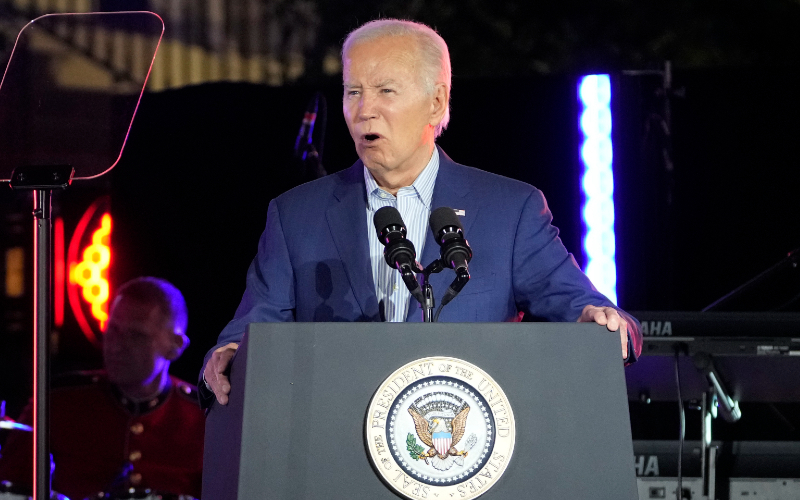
145	406
423	184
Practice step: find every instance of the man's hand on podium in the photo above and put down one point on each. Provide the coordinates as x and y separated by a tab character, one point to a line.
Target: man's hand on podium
214	374
612	320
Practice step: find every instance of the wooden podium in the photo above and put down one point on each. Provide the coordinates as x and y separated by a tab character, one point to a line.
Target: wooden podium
295	424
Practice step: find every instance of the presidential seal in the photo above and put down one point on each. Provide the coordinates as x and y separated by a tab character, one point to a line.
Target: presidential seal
440	428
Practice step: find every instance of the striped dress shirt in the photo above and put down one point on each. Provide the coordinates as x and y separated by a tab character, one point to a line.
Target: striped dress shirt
414	204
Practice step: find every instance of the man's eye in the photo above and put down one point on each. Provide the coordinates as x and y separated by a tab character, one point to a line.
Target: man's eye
352	92
387	91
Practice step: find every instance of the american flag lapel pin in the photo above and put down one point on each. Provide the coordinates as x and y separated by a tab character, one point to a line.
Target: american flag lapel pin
460	212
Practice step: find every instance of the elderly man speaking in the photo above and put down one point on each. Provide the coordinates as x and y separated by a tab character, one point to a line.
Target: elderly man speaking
319	258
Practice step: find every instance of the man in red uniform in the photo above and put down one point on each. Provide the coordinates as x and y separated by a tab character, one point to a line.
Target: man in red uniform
133	425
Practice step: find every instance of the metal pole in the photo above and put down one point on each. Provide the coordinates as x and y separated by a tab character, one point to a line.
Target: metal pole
42	307
705	413
429	304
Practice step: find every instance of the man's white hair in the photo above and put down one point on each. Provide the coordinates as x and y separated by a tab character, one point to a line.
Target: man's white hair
432	50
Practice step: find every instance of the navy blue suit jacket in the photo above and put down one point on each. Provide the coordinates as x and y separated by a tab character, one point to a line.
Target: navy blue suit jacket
313	258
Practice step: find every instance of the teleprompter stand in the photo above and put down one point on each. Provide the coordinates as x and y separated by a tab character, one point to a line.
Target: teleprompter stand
294	426
42	159
42	180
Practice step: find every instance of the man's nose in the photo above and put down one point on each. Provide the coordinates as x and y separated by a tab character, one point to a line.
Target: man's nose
367	106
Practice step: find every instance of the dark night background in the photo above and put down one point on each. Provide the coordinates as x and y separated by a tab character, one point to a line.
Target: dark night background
208	160
190	194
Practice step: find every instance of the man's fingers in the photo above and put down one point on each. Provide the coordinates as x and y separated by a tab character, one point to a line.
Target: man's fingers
623	337
211	377
223	389
221	398
599	316
215	372
222	360
612	320
222	366
223	383
616	322
609	317
592	314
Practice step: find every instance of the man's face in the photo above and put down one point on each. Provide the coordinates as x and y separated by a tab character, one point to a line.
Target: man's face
137	344
390	116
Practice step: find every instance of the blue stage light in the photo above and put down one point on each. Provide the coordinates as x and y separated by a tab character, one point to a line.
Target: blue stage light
597	154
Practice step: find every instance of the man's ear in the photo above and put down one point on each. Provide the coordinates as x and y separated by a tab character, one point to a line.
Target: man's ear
179	343
439	103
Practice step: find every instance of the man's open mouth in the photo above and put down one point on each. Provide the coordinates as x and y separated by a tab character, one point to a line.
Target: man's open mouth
371	137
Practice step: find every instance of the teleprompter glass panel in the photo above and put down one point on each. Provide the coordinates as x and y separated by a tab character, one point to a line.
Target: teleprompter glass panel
71	89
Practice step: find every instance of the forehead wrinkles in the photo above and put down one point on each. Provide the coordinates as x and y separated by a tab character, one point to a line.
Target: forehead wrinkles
380	60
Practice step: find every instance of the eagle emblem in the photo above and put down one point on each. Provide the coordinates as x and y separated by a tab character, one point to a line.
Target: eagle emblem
440	420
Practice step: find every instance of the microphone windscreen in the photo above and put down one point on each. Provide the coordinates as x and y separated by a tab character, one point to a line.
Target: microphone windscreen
443	217
387	216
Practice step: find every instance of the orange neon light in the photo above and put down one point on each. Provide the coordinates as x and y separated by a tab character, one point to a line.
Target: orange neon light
99	206
91	274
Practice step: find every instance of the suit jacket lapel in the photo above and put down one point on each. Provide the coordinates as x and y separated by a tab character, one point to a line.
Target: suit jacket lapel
349	232
451	190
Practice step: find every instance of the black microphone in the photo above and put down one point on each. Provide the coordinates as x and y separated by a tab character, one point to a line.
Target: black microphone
399	252
449	234
455	252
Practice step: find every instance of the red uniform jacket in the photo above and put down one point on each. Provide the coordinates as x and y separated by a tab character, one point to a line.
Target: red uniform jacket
95	432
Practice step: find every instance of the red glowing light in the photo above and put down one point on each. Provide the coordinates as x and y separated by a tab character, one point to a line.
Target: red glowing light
59	270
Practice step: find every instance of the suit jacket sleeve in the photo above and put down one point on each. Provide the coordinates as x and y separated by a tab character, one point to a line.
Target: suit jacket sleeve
547	281
269	295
